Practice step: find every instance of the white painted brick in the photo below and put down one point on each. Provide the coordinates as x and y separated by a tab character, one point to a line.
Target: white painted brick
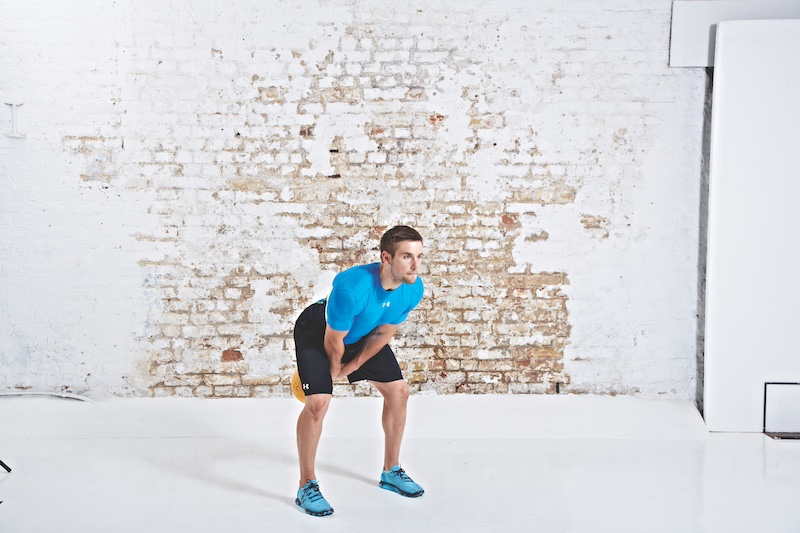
357	57
426	43
370	68
376	157
356	157
388	57
233	294
348	42
388	44
430	57
354	69
373	94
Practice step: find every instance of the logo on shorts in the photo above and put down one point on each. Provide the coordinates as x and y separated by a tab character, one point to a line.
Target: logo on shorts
305	386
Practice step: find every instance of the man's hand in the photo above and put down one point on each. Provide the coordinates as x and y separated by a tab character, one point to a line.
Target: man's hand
336	371
349	368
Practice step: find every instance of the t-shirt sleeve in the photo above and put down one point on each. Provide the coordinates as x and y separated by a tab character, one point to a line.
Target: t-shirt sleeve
341	310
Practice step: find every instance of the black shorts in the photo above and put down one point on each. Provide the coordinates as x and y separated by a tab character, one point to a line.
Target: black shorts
312	360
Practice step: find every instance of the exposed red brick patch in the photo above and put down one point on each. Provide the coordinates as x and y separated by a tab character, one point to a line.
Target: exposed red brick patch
230	356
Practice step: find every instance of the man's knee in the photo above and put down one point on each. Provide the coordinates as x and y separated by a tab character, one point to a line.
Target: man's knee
317	405
396	391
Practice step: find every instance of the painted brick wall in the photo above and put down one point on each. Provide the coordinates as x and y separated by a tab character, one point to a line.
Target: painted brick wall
209	166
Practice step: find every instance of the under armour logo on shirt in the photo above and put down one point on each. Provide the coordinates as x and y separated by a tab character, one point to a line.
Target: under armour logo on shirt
386	304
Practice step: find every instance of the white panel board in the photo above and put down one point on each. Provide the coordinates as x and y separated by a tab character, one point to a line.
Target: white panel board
694	24
753	286
782	410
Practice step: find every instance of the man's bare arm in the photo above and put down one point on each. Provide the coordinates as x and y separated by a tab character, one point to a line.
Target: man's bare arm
334	349
375	341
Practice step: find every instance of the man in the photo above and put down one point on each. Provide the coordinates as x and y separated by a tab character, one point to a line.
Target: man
347	334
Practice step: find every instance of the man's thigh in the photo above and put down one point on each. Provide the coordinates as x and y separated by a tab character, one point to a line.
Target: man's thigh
312	360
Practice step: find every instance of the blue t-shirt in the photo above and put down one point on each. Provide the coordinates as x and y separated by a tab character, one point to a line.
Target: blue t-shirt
358	303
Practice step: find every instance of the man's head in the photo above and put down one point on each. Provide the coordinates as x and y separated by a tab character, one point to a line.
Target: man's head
401	253
396	235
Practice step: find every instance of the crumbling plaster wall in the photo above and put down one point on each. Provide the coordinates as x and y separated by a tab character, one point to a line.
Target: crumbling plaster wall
193	173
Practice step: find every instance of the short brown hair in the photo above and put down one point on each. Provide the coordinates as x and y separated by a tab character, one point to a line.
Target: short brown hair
396	235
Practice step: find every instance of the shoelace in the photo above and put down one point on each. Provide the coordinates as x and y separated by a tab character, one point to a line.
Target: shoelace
312	492
402	474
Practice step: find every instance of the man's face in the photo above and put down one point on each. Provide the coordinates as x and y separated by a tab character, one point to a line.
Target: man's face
406	262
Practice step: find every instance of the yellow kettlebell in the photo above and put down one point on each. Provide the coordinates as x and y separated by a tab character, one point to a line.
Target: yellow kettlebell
297	387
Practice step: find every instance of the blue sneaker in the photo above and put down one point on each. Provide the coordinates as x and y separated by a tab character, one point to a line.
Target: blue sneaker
398	481
310	499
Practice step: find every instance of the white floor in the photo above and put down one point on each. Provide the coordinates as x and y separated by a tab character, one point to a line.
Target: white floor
488	463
